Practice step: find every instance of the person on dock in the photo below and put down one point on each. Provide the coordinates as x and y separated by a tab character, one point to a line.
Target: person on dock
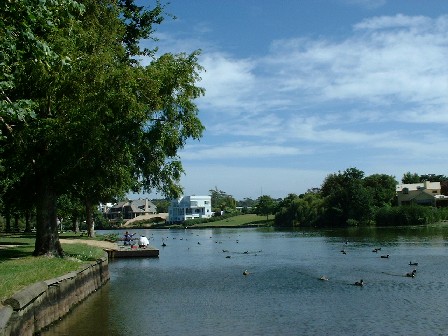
128	238
143	242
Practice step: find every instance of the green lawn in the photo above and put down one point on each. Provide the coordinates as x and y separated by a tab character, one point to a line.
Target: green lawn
240	220
18	268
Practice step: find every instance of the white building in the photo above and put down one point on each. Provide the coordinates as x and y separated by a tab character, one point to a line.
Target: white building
190	207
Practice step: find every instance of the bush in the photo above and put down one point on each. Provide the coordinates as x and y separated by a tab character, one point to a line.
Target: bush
409	215
191	222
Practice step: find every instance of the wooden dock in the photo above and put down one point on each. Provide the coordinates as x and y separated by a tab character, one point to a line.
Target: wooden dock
128	252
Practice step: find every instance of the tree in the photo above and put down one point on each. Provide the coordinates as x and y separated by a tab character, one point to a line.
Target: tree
410	178
221	201
265	206
247	204
24	28
382	187
433	178
104	123
162	205
347	200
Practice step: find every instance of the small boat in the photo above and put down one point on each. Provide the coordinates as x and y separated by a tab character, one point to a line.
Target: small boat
413	263
385	256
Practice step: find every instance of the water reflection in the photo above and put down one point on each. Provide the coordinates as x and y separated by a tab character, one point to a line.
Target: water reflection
195	288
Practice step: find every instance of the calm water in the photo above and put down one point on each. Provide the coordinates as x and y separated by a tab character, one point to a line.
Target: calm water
194	289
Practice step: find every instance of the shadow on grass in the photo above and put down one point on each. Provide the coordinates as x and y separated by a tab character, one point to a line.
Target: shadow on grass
16	245
16	252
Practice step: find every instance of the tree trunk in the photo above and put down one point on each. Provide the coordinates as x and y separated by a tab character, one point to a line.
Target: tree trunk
47	237
27	221
16	222
75	224
8	221
89	221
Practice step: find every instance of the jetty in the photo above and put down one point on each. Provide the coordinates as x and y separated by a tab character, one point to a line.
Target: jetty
132	252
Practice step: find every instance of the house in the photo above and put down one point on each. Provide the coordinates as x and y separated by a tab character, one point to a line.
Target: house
190	207
425	193
131	209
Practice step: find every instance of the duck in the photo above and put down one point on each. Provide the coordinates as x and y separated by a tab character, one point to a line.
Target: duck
323	278
413	263
163	244
411	274
246	272
385	256
359	283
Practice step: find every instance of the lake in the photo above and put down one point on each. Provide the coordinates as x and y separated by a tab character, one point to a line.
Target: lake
197	287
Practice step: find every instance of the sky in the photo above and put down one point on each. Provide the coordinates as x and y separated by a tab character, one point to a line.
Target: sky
300	89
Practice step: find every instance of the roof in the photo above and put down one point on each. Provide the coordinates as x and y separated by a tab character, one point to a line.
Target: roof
419	186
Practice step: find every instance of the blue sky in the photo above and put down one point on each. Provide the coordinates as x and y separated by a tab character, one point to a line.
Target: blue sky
297	90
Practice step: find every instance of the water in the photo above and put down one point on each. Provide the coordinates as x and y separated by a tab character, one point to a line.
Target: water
194	289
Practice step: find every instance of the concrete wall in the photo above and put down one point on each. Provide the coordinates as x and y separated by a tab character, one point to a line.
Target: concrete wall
37	306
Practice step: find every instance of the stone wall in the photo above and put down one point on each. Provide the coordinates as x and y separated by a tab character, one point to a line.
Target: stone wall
37	306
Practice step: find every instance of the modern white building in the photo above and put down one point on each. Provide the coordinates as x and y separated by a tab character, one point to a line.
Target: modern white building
190	207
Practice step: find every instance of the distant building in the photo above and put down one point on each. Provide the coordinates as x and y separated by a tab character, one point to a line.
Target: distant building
131	209
190	207
425	193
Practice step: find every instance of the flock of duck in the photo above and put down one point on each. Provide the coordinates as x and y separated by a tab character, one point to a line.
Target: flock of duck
361	282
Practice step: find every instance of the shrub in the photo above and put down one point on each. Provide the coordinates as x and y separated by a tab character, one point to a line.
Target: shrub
408	215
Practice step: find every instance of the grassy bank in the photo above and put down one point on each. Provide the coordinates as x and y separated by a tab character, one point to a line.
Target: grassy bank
236	221
244	220
18	268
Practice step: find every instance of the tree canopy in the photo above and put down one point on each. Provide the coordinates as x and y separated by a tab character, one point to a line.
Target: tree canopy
104	124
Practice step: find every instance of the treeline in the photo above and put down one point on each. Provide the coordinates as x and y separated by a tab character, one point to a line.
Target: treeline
349	198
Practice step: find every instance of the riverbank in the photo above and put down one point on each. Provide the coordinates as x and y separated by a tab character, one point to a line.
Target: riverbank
241	221
37	306
37	291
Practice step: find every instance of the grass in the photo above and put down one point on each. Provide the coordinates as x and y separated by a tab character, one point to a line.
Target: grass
237	221
19	268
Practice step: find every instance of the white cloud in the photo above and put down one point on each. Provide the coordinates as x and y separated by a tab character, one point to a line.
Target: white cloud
238	150
376	99
256	181
227	81
380	69
397	21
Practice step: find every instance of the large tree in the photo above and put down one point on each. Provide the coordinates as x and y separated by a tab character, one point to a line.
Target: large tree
303	210
265	206
221	201
24	30
382	187
347	201
104	123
